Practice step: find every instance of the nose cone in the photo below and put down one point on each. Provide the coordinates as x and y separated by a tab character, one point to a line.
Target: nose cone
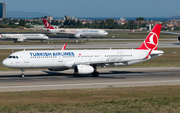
6	63
106	33
46	37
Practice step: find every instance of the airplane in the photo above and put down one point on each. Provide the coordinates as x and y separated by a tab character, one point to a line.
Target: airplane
21	37
77	33
178	38
85	61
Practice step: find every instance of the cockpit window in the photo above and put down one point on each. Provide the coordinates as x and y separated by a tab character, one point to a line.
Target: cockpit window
14	57
10	57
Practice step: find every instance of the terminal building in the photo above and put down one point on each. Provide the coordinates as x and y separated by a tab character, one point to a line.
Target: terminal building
2	9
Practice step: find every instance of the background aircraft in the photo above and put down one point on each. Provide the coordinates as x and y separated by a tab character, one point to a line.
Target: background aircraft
85	61
173	34
21	37
77	33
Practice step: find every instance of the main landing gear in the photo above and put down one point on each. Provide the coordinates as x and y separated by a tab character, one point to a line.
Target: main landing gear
95	73
22	75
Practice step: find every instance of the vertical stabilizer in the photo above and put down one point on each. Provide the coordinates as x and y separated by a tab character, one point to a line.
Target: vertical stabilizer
151	41
47	25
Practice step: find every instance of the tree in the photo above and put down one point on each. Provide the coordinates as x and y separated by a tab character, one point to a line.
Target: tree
140	19
111	24
22	23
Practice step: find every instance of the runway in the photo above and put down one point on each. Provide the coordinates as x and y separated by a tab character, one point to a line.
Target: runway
109	77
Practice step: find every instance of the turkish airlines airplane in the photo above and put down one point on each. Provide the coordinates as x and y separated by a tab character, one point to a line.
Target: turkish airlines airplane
85	61
77	33
21	37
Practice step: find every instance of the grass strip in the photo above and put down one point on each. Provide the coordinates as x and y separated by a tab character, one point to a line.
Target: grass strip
156	99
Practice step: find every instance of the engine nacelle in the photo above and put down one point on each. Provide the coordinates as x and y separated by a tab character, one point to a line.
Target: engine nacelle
20	40
83	69
77	35
178	38
57	69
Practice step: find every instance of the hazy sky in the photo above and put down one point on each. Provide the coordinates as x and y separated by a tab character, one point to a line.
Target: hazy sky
98	8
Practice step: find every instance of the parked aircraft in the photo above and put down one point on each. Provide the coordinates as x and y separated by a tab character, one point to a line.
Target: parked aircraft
85	61
77	33
21	37
173	34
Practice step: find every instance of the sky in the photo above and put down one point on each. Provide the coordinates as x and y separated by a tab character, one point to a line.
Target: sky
98	8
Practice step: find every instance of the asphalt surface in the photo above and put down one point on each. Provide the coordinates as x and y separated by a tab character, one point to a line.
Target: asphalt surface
92	45
109	77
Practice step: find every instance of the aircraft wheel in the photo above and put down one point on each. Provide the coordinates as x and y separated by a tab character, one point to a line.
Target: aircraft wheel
95	74
22	75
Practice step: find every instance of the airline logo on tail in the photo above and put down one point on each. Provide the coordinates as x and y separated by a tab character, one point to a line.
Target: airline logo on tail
151	41
47	25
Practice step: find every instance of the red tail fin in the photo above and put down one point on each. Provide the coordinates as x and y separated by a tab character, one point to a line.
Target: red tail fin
47	25
64	47
151	41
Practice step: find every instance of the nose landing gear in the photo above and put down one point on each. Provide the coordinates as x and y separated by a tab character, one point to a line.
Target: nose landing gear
22	75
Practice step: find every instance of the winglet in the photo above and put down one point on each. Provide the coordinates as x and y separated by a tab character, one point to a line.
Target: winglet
1	35
151	41
47	25
64	47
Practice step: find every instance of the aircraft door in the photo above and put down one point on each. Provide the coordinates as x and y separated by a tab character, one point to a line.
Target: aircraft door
26	58
100	57
60	58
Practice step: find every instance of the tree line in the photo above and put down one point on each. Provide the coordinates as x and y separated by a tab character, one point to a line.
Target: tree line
96	24
100	24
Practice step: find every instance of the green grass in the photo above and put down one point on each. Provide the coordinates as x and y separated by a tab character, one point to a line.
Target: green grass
159	99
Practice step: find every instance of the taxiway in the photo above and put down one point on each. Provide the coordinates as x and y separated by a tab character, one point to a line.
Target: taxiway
92	45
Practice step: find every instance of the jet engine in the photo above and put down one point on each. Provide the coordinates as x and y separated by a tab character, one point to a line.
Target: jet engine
83	69
57	69
77	35
179	38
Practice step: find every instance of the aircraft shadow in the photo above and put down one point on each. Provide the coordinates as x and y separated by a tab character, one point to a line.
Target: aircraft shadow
112	74
176	43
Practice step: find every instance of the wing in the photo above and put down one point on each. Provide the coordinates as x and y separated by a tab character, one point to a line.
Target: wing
101	63
170	33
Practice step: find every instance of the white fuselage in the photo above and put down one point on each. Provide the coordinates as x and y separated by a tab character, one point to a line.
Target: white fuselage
80	32
69	58
22	37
